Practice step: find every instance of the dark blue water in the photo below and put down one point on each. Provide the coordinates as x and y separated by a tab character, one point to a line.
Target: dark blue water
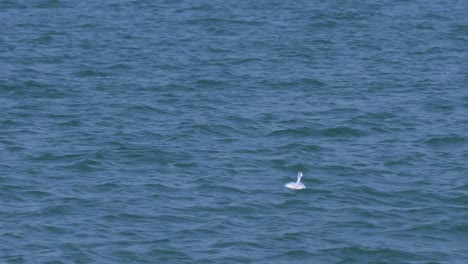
164	131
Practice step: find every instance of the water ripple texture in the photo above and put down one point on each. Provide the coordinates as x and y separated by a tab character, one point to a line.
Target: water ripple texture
164	131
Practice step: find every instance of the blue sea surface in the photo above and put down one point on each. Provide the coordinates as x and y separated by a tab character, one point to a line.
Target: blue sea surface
164	131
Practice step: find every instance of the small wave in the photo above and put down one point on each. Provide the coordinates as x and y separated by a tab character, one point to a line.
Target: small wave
405	161
339	169
210	83
48	156
124	216
34	89
463	187
184	165
45	39
119	66
199	232
50	4
55	229
297	253
291	256
85	162
9	123
166	255
305	148
237	244
11	5
56	210
180	218
339	111
460	29
11	194
382	116
324	24
71	123
144	109
298	132
461	230
36	194
245	61
86	165
89	73
34	84
301	83
214	21
447	140
361	254
108	186
219	130
221	188
342	132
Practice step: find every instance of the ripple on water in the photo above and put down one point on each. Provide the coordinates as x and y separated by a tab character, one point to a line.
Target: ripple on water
130	137
371	255
90	73
297	132
445	140
342	132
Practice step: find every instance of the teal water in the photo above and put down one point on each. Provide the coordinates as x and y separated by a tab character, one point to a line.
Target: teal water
164	131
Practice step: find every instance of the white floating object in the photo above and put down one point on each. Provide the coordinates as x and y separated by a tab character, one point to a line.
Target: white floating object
296	185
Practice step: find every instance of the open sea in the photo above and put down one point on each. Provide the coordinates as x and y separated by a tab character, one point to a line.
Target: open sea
164	131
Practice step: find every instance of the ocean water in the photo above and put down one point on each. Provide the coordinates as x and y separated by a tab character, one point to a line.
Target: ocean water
164	131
